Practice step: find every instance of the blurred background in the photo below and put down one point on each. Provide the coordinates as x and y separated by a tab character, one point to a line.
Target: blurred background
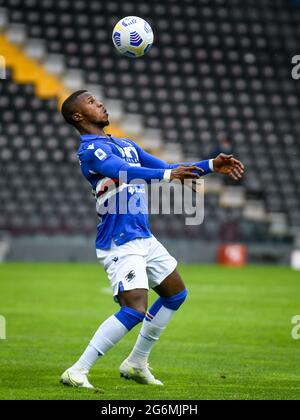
218	79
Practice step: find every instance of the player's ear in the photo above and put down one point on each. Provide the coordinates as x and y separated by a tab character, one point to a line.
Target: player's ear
77	117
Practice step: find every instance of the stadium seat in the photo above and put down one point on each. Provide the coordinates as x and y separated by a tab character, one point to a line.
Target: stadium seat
212	73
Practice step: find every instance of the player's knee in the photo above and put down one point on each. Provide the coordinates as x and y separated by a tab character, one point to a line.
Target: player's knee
174	302
141	308
134	299
139	304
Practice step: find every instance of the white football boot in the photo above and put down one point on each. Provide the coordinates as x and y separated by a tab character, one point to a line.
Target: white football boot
141	375
76	377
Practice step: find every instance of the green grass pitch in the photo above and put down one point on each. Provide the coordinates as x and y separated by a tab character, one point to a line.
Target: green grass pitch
230	340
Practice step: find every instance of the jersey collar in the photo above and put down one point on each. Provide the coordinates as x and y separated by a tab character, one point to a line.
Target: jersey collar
89	137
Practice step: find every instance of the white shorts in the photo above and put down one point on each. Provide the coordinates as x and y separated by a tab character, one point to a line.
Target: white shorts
142	263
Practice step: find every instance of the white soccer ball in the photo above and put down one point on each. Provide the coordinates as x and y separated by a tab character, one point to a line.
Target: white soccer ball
132	36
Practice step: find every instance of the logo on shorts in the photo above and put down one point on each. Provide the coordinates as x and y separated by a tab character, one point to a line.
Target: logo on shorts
115	259
130	276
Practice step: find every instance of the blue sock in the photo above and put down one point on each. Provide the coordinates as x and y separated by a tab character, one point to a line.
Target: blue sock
129	317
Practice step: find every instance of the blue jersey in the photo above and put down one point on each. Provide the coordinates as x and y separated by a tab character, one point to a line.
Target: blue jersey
104	161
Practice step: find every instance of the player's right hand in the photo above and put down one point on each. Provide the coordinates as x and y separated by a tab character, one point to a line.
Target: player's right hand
185	172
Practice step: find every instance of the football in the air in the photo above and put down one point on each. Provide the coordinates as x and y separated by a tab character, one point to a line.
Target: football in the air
132	36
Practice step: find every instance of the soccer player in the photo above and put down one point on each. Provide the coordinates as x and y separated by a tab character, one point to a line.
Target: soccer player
133	258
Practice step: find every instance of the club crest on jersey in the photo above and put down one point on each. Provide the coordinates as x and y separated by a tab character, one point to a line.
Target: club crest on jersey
100	154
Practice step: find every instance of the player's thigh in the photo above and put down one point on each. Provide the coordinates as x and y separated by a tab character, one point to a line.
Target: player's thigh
171	285
130	282
161	269
136	299
125	272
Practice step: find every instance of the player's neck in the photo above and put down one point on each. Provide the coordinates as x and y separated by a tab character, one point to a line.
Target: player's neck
93	129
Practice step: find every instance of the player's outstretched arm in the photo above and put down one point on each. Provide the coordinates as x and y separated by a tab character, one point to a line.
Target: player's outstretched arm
104	162
223	164
149	161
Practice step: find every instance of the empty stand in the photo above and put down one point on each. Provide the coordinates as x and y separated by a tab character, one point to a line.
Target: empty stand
217	69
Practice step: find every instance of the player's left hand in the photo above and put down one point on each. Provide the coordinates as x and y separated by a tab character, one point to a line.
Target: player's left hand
228	165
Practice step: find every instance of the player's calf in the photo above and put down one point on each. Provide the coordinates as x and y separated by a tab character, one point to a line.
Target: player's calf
155	322
108	334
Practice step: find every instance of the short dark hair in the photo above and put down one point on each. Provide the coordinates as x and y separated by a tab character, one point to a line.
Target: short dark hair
68	107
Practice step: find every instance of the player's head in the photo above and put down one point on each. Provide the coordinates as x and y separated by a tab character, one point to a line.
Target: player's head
82	109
